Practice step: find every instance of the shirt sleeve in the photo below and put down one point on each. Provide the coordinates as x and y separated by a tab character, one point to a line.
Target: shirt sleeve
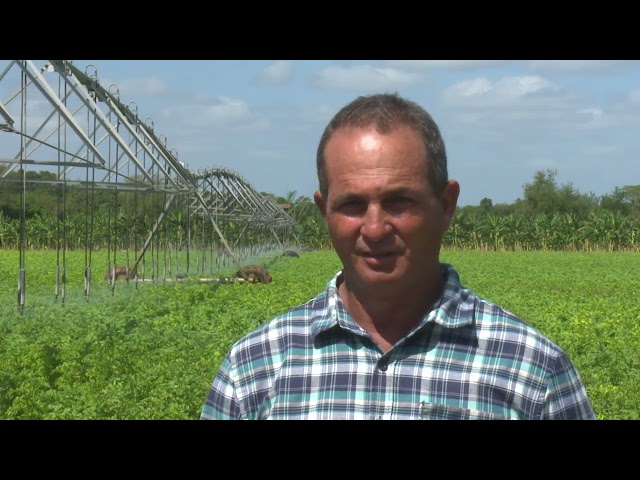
566	397
222	402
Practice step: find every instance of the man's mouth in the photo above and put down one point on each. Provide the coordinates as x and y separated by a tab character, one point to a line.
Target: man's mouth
379	254
379	257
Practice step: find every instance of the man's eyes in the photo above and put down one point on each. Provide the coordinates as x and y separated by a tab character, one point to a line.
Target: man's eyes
398	204
398	201
391	205
352	207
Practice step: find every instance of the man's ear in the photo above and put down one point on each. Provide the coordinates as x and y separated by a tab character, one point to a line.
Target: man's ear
449	201
320	203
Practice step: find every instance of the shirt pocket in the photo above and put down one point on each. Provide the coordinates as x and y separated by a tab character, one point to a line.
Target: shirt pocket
434	411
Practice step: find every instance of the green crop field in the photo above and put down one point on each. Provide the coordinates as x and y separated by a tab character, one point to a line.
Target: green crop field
149	350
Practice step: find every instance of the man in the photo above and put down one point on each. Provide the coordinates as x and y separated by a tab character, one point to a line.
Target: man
394	335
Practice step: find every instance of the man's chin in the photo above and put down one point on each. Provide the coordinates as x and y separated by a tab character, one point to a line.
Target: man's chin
379	276
383	264
371	272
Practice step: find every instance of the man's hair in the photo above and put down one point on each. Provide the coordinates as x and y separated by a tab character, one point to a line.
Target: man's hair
388	111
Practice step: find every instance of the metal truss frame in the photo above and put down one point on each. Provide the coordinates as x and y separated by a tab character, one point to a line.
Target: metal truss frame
62	118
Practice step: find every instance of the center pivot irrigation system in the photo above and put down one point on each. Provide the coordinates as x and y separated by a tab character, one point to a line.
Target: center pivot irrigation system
111	169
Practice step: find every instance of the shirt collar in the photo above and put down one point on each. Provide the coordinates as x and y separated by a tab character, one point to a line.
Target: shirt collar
454	308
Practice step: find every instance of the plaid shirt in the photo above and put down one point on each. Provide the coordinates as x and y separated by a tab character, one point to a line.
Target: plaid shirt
467	359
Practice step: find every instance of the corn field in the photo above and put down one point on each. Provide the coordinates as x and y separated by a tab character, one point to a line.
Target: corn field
603	231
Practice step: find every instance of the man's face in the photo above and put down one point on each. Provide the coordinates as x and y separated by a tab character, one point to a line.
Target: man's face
384	219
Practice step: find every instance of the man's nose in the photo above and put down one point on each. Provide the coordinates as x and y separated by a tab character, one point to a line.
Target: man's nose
375	225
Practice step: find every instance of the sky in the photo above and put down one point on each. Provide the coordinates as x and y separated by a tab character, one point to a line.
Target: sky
502	120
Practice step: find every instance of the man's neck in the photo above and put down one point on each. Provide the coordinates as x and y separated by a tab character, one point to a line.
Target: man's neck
388	313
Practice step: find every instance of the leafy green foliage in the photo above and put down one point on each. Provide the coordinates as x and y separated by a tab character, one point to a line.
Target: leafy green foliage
150	350
584	301
145	352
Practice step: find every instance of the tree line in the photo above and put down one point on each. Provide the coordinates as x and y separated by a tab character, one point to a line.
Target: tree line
548	216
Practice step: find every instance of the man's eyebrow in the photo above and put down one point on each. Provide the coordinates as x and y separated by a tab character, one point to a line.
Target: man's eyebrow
393	192
400	191
347	197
